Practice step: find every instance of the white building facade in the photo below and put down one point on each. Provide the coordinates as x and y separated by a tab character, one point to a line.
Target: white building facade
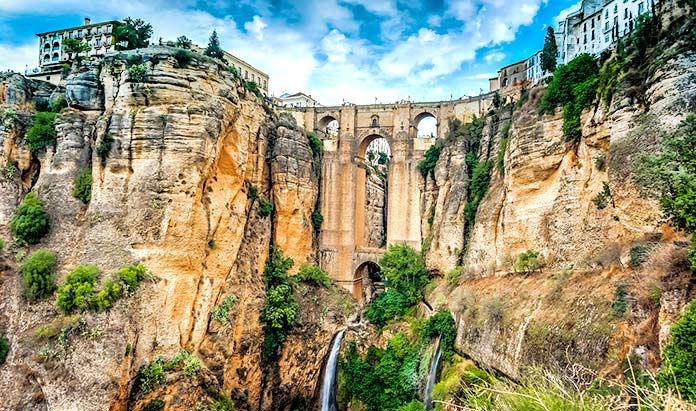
297	100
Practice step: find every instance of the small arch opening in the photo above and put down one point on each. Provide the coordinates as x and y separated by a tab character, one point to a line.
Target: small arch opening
374	121
367	281
329	125
426	125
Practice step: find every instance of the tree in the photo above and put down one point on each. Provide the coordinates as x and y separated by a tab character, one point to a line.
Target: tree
74	47
30	222
38	274
550	51
679	356
405	272
183	42
132	34
214	50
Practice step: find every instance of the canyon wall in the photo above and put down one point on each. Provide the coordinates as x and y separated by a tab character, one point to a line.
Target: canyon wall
173	192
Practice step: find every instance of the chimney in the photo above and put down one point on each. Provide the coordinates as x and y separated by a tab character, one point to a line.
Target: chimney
87	21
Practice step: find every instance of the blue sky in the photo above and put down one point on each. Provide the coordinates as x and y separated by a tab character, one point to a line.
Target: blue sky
335	50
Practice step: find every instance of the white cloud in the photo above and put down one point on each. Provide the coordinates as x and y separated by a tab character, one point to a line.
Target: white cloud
18	58
256	27
565	12
494	56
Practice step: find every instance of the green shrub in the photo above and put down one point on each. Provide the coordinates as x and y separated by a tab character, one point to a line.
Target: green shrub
442	324
130	276
30	222
183	58
480	172
280	310
59	104
104	299
38	272
493	310
454	275
150	376
4	349
504	141
427	165
221	403
265	207
527	262
608	79
77	291
315	144
601	200
679	356
253	88
42	133
317	219
104	147
154	405
10	170
385	307
82	187
136	73
405	272
221	312
601	162
639	254
312	274
620	303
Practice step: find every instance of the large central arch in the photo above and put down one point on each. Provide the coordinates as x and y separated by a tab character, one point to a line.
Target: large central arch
361	185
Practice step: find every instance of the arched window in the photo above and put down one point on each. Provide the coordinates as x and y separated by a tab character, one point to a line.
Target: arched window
375	121
47	57
55	57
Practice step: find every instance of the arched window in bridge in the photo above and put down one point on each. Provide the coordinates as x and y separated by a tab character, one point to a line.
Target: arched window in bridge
426	124
375	121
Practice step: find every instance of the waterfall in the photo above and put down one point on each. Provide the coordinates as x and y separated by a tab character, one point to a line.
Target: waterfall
328	388
428	400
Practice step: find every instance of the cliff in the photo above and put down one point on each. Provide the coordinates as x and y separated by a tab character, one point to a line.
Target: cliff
542	198
182	161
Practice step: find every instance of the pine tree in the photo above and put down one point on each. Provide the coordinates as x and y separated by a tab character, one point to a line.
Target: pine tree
214	50
550	52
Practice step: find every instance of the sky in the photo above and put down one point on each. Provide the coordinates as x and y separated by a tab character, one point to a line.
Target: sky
358	51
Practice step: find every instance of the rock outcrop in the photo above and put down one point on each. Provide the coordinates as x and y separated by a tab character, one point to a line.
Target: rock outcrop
175	159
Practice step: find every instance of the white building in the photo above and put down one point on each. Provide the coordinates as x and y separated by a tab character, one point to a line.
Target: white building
597	25
297	100
534	72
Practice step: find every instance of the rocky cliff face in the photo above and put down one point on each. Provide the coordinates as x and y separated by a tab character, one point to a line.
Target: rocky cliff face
375	211
542	200
174	192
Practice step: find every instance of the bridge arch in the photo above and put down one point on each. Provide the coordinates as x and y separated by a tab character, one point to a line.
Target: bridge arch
427	124
371	205
366	275
328	124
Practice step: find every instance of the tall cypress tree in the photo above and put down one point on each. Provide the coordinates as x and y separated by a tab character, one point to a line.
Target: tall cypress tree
550	52
214	50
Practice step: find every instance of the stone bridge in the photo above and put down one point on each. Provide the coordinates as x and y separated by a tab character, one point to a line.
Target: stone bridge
346	132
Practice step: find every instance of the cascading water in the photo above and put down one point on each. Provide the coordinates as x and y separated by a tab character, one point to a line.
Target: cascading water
328	388
428	400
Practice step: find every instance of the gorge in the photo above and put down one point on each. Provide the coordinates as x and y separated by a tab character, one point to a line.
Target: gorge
226	249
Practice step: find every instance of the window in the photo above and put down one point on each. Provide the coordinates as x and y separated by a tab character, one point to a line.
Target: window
98	41
55	57
641	8
606	38
584	41
48	78
584	27
625	13
593	35
108	39
375	121
79	33
47	57
606	14
99	30
616	8
592	23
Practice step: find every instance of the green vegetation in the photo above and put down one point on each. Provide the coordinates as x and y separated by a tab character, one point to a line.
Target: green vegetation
528	261
104	147
601	200
214	50
183	42
384	380
573	87
9	119
42	133
550	51
75	47
671	177
154	405
427	165
442	324
620	303
504	140
79	292
82	189
10	170
679	356
265	207
317	219
4	349
30	222
221	403
221	312
480	173
58	104
280	311
253	88
638	254
315	144
153	375
38	272
132	34
312	274
183	58
405	276
136	73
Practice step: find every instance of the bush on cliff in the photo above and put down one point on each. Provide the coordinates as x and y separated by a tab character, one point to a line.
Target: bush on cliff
312	274
442	324
38	272
280	310
77	290
4	349
82	186
42	133
680	355
30	222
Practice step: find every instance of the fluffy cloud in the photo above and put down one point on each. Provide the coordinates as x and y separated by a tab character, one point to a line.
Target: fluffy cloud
318	46
18	58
